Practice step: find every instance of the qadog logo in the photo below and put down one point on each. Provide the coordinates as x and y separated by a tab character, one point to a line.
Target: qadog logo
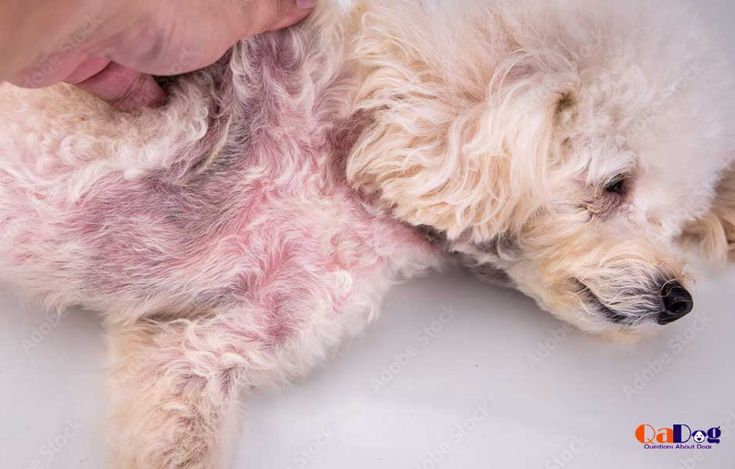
677	437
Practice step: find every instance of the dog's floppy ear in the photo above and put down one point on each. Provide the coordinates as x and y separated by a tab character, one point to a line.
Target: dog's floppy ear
715	232
462	148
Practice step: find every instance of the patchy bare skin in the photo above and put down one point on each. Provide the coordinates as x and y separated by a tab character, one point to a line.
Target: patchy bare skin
237	235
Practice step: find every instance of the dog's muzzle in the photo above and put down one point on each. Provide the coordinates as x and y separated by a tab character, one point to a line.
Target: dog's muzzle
673	299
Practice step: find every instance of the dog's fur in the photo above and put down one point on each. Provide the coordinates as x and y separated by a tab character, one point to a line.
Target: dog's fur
237	235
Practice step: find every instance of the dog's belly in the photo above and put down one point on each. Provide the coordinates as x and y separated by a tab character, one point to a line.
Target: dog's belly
119	216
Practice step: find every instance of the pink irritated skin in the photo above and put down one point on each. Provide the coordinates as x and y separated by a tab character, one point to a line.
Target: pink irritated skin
238	260
261	228
231	254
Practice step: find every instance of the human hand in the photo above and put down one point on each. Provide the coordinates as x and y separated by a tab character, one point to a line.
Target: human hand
112	47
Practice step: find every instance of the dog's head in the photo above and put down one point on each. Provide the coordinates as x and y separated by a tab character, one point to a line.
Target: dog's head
564	147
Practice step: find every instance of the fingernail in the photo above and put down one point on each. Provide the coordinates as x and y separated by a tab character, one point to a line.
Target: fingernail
306	4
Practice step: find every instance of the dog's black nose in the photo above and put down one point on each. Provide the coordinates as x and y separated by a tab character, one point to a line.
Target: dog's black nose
677	302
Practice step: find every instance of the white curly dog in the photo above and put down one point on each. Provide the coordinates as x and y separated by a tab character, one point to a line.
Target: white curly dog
569	148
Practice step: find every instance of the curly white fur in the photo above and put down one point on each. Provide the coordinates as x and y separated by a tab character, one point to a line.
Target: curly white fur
237	235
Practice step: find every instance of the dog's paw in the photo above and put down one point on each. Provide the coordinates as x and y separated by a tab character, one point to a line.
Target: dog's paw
715	232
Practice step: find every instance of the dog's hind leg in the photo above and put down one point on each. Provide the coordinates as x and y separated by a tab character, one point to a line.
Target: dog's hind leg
175	389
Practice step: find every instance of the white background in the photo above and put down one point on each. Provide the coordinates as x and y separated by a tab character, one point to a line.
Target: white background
454	375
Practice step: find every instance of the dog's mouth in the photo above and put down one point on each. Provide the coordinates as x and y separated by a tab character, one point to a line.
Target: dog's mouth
605	311
609	314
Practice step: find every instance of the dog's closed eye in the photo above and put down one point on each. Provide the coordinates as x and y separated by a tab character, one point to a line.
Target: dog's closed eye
610	196
618	185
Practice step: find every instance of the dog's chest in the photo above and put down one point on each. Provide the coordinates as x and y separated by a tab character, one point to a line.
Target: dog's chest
239	232
260	222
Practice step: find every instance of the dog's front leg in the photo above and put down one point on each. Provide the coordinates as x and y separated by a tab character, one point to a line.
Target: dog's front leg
174	390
